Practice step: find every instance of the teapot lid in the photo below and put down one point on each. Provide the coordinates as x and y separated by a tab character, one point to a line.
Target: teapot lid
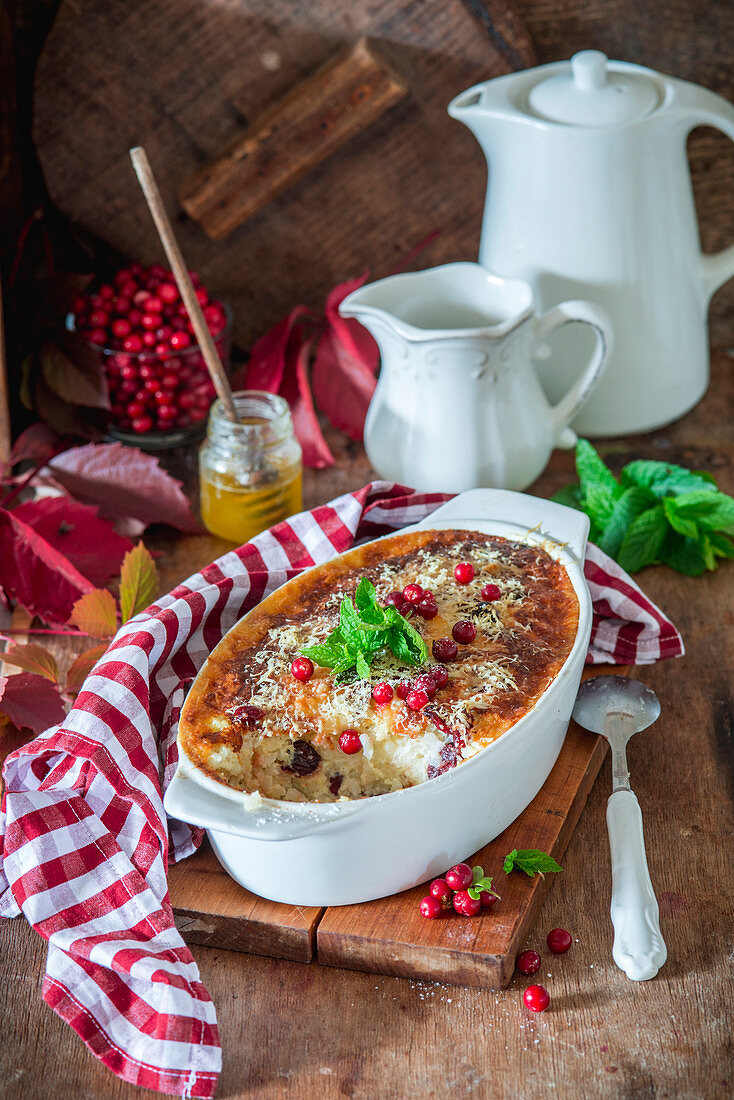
589	93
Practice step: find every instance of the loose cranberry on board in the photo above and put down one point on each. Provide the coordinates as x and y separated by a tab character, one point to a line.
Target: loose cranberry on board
465	904
558	940
430	907
536	998
528	962
487	899
459	876
440	889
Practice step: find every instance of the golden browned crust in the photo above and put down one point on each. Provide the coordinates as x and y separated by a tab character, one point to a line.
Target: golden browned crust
530	639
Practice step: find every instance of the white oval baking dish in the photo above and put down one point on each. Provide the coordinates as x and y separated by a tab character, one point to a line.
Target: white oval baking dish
347	852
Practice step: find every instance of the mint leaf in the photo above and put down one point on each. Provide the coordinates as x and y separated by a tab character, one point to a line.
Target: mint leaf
678	522
363	668
599	505
406	643
713	510
593	473
644	540
531	861
683	554
330	653
632	503
480	884
570	495
721	544
365	598
664	478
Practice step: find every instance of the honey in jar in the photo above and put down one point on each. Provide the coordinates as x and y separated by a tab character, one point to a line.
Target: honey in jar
250	473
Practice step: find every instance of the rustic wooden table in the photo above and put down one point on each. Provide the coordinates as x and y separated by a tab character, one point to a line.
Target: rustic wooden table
307	1031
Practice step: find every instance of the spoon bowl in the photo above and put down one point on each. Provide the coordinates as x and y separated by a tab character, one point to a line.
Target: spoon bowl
602	696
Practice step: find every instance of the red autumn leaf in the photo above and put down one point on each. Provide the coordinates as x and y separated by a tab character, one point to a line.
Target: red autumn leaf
90	543
34	444
138	581
31	701
35	573
349	333
32	658
95	613
122	481
267	363
82	666
297	392
342	385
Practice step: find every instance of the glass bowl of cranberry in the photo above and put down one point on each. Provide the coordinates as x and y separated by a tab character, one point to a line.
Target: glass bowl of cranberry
159	386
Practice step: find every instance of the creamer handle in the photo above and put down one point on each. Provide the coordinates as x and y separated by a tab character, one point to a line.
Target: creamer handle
639	949
719	267
591	314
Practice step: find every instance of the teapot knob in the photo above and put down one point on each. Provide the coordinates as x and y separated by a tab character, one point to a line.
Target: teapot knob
589	69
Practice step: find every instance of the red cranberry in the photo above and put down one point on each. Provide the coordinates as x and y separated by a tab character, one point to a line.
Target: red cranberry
202	296
536	998
98	336
490	592
465	904
168	292
154	304
394	598
440	675
440	889
444	649
459	876
106	291
430	908
528	962
427	608
464	572
302	668
413	593
382	693
98	318
120	327
134	316
558	940
142	424
406	609
140	297
151	320
350	743
487	899
180	340
132	343
403	689
135	409
416	700
169	379
149	339
425	683
464	632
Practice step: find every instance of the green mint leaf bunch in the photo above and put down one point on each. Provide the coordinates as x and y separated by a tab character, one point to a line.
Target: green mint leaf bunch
655	513
480	884
531	861
365	629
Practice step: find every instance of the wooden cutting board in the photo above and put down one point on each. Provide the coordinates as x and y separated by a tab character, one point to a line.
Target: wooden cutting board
389	936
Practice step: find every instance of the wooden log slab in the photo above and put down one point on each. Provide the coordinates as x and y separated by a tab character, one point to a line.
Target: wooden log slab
314	119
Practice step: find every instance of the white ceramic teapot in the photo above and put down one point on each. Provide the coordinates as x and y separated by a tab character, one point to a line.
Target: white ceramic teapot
458	405
590	196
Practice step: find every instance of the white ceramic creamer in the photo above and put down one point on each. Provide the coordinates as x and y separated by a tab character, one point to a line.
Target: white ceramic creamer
458	405
590	196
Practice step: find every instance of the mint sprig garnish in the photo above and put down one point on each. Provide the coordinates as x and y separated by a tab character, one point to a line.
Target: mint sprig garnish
655	513
365	629
481	884
530	860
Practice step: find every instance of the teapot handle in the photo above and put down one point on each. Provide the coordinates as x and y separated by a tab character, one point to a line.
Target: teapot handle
564	412
719	267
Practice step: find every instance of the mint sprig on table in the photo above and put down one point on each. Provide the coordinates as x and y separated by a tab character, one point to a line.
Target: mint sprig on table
365	629
655	513
530	860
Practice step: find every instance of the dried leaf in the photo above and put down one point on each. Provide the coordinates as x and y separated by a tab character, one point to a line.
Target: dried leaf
90	543
32	658
122	481
82	666
31	701
72	420
33	444
73	371
95	613
138	581
35	573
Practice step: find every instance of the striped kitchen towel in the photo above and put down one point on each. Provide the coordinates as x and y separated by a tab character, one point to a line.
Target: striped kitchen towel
84	841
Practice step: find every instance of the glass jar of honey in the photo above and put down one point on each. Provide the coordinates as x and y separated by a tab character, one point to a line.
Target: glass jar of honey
250	473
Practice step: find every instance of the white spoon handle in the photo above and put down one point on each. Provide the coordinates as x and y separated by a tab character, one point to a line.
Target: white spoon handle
639	948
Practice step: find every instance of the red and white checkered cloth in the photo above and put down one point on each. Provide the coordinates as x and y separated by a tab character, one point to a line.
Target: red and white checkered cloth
84	842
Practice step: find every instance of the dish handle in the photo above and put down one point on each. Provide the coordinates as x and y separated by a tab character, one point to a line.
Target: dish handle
187	800
554	521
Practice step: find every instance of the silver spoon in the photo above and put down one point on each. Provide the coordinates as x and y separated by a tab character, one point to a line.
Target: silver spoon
617	707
